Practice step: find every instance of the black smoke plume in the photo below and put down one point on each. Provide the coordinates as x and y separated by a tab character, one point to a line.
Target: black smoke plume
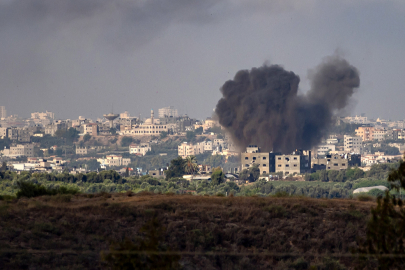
262	106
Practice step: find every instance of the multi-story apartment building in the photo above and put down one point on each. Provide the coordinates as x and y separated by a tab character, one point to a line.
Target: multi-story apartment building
352	144
168	112
3	112
3	132
90	128
336	162
331	162
20	150
379	134
365	132
23	135
185	149
253	156
324	149
140	149
393	134
12	133
296	163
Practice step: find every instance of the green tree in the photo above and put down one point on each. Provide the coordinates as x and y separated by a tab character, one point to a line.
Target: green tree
126	141
3	166
86	137
176	168
190	165
198	131
60	133
255	172
163	134
217	176
190	135
386	228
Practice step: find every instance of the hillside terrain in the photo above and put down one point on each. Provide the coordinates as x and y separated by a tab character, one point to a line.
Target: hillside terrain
208	232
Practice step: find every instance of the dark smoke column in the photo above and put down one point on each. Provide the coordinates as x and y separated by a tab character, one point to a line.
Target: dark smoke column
262	106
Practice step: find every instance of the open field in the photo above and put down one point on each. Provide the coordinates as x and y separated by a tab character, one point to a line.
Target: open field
209	232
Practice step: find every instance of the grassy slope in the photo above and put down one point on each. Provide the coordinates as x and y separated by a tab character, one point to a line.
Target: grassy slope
72	234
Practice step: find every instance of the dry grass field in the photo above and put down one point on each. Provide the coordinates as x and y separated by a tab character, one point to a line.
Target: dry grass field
69	232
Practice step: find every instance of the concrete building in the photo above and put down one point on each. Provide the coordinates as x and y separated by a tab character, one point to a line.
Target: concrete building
297	163
3	132
20	150
336	162
253	156
3	112
156	173
185	149
365	132
81	150
151	127
23	135
114	161
141	149
168	112
12	133
324	149
90	128
379	134
43	115
352	144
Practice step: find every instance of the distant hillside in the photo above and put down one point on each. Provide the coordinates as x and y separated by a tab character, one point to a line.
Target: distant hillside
209	232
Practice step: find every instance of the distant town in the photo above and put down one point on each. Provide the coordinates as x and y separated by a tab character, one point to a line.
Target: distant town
135	146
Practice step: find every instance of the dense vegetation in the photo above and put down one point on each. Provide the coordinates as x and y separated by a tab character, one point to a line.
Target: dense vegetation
111	181
62	232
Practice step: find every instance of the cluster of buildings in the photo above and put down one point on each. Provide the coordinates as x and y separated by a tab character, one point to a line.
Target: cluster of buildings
298	162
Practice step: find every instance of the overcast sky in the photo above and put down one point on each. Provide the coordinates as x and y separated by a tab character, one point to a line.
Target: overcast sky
80	57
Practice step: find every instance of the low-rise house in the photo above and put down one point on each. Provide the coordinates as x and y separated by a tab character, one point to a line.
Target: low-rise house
114	161
141	149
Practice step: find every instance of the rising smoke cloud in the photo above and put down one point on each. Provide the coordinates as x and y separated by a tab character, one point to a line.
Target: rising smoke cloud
263	107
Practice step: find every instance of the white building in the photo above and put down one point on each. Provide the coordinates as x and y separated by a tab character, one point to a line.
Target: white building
43	115
151	127
324	149
141	149
168	112
114	160
185	150
352	144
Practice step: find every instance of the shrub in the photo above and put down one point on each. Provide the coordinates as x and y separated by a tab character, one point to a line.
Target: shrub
365	198
281	194
28	189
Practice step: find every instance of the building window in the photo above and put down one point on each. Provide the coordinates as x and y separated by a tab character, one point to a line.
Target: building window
335	164
295	158
264	165
279	158
295	165
343	164
254	158
287	165
246	158
264	172
264	158
279	165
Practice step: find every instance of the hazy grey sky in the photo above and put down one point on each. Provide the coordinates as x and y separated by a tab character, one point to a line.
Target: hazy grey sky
78	57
